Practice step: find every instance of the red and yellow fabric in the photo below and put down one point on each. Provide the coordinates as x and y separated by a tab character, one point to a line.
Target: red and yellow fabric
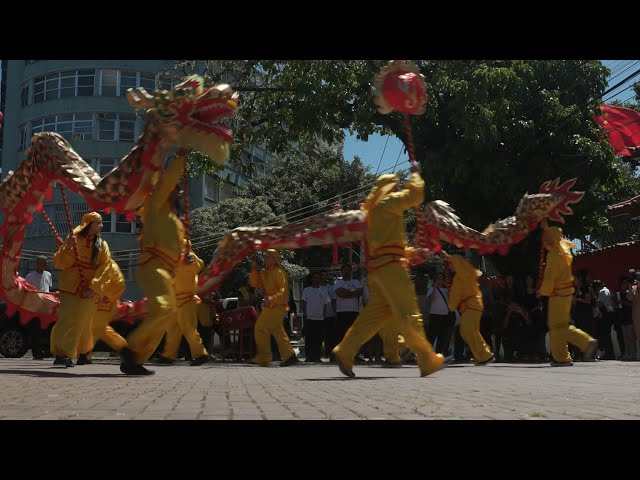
466	297
161	247
392	307
76	314
186	283
557	284
275	283
106	311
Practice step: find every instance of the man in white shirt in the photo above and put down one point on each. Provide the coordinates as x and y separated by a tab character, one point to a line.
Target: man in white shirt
348	292
330	316
40	279
440	326
314	308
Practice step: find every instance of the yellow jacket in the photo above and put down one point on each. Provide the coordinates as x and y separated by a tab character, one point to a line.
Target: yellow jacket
386	239
204	314
162	231
275	283
558	279
93	275
113	287
186	280
465	292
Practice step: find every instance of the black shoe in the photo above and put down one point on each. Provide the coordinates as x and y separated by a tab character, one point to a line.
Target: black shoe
63	362
134	369
126	355
83	359
343	368
292	360
561	364
201	360
486	362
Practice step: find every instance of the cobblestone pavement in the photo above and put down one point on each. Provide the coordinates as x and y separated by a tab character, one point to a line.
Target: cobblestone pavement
35	390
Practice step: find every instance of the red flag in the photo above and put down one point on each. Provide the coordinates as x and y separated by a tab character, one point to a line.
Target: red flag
623	126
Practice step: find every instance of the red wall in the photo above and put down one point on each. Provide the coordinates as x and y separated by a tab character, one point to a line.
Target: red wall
610	263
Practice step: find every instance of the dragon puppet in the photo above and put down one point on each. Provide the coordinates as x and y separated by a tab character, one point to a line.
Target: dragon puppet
188	116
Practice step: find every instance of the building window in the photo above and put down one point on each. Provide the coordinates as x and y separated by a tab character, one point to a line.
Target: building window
70	83
127	263
104	165
23	138
109	83
24	95
113	223
72	126
211	188
148	81
116	126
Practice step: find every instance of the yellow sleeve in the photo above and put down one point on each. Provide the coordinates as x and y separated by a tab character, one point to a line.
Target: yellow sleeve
197	262
115	286
254	279
281	296
411	196
455	294
102	269
64	257
551	271
167	183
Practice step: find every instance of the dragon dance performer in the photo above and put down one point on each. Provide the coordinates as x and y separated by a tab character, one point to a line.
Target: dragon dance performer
162	242
273	280
557	284
392	300
83	276
107	310
187	302
466	297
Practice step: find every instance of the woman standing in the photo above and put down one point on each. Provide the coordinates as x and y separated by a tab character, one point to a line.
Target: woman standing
83	258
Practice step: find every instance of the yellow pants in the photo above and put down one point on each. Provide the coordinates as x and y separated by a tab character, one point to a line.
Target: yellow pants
187	325
470	333
101	330
270	322
392	307
561	331
75	317
157	284
392	343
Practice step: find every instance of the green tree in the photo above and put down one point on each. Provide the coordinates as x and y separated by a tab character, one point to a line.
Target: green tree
209	224
493	128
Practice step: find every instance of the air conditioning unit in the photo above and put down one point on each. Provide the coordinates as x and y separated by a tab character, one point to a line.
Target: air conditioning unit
102	116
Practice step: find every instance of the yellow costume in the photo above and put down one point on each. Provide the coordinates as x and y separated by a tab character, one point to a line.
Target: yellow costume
465	296
392	306
161	247
107	310
75	314
275	283
557	284
186	284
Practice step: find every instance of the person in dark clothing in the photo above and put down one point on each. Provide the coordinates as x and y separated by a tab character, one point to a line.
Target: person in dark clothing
584	301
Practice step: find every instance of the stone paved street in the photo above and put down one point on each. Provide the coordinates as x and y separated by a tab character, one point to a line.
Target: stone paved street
34	390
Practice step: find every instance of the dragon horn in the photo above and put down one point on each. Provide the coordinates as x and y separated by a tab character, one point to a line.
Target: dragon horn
139	98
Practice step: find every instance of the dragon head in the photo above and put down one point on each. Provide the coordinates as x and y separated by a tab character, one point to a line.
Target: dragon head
551	202
189	115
